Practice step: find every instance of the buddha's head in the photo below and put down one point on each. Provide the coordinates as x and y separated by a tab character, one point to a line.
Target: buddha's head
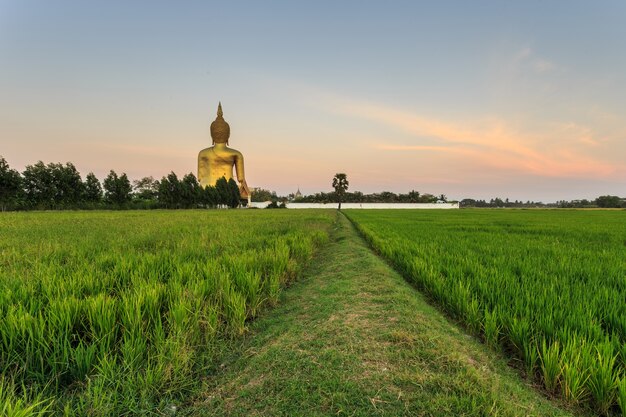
220	131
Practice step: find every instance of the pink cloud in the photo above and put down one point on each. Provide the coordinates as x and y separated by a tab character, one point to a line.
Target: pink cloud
494	143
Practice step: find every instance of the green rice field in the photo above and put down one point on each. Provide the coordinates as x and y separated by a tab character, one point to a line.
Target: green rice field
116	313
547	287
123	313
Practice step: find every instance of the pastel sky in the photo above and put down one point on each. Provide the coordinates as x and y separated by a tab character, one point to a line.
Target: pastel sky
480	99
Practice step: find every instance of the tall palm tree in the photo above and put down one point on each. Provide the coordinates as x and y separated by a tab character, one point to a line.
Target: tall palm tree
340	184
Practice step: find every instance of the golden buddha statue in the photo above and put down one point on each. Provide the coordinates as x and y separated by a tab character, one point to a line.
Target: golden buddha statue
218	160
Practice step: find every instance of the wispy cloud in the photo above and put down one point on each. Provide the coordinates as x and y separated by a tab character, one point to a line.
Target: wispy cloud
493	143
522	54
526	57
581	134
135	160
541	65
146	151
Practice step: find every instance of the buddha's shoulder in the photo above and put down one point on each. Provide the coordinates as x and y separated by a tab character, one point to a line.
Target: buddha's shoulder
234	151
221	151
205	151
229	151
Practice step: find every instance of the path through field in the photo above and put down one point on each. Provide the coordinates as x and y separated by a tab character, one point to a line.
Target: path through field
353	338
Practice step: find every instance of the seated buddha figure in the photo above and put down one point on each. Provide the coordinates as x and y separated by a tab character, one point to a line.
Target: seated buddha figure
218	160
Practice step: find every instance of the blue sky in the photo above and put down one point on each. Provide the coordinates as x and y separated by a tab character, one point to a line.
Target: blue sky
471	99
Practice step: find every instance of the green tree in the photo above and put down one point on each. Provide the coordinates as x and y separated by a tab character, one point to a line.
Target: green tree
117	190
388	197
68	185
609	201
146	189
234	196
223	192
340	184
468	202
413	196
261	194
208	196
190	191
53	186
428	198
170	191
10	185
93	189
39	186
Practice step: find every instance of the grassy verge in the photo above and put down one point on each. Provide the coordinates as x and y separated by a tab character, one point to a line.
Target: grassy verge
353	338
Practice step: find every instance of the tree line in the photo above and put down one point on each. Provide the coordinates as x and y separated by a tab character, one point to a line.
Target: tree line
382	197
605	201
55	186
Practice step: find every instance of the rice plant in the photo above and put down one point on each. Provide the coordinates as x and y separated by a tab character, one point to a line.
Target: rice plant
491	329
576	363
118	311
603	381
14	405
545	285
530	357
621	395
550	355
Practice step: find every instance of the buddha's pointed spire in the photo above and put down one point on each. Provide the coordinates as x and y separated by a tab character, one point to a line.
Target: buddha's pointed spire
220	131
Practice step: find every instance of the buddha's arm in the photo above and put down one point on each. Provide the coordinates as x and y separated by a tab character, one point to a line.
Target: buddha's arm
241	176
243	187
203	168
